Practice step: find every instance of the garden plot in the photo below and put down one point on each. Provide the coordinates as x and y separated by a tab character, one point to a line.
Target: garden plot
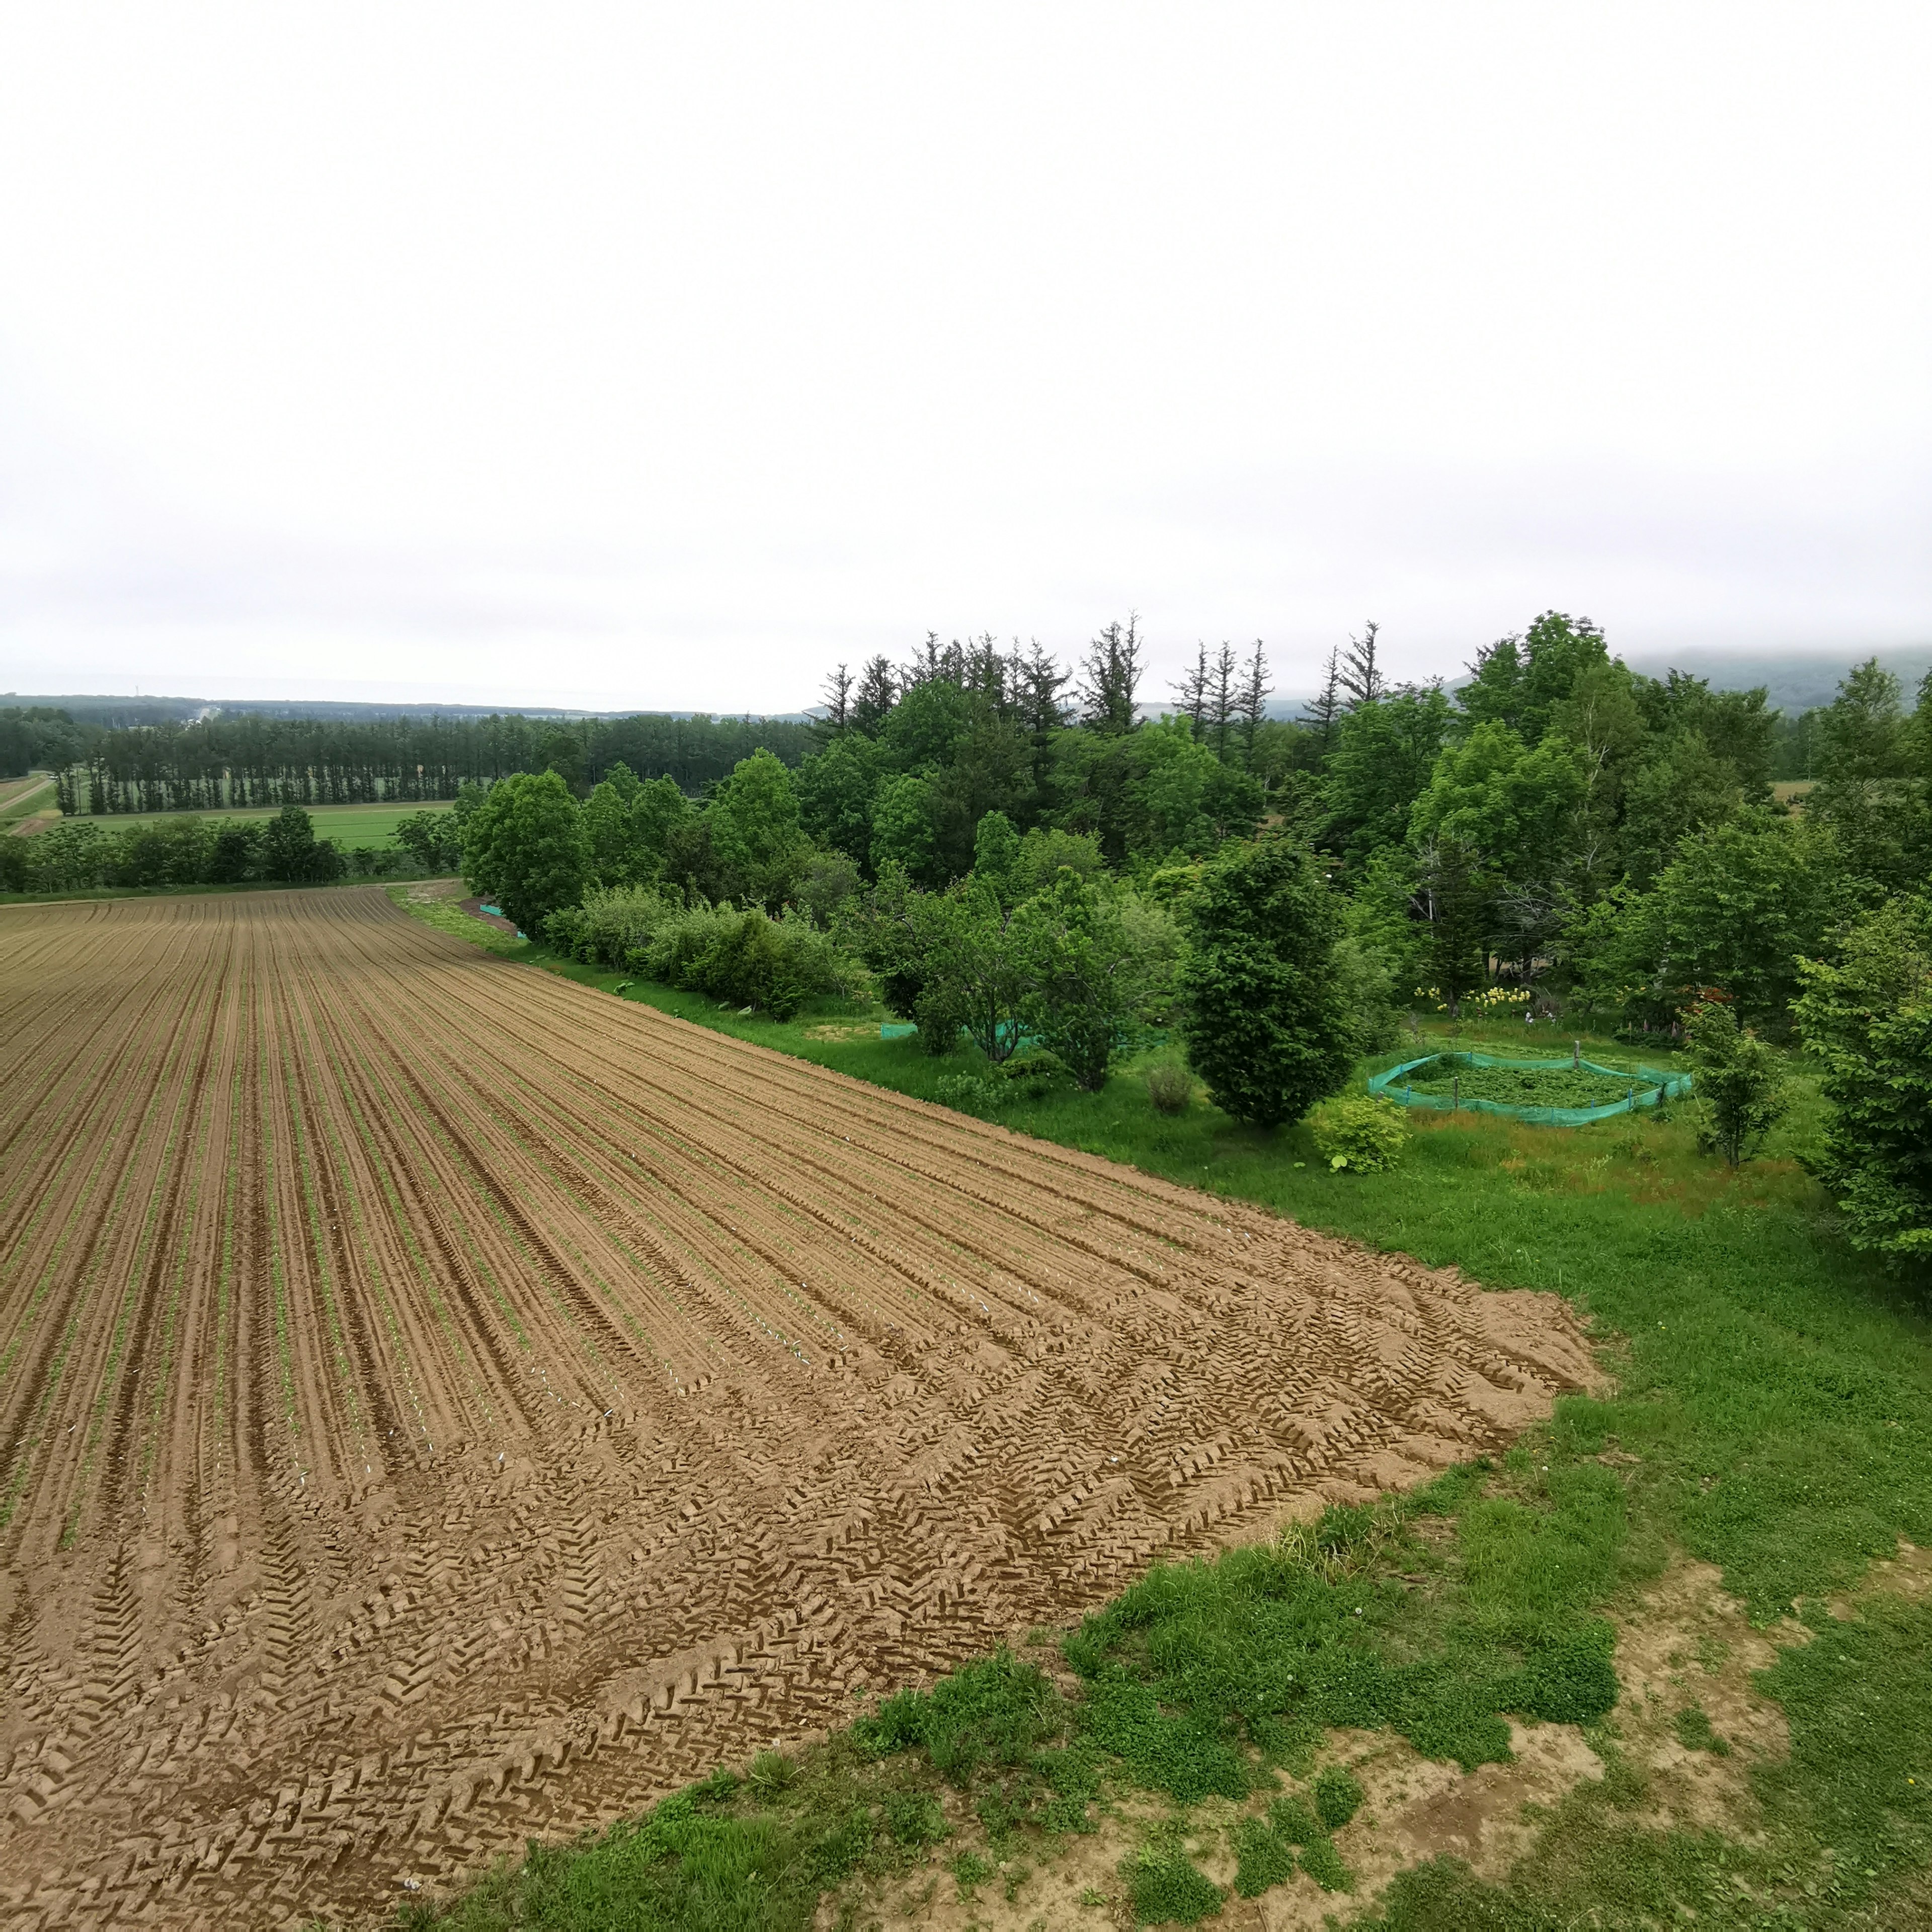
440	1404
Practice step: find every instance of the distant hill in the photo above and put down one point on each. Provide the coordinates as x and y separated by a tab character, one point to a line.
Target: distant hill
1796	681
116	713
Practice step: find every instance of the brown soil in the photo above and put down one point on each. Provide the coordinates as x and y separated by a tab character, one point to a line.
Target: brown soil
440	1404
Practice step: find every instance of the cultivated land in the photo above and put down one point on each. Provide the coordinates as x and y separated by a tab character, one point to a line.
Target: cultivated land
440	1404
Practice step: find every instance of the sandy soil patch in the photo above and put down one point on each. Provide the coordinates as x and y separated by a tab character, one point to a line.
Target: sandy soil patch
440	1404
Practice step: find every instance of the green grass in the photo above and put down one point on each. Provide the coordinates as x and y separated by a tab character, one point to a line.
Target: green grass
349	825
447	915
1771	1414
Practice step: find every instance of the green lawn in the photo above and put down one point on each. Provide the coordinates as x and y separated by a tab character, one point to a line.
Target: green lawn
349	825
1771	1415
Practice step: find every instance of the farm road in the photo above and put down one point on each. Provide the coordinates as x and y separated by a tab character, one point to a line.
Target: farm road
440	1404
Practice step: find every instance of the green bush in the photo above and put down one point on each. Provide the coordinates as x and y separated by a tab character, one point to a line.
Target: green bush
967	1092
1167	1889
1337	1797
1170	1086
996	1713
746	958
609	926
1359	1132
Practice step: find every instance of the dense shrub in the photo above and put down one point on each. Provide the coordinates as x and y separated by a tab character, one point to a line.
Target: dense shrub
1170	1086
747	958
1359	1132
609	926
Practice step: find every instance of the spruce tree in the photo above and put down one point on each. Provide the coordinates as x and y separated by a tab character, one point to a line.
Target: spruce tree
1265	1023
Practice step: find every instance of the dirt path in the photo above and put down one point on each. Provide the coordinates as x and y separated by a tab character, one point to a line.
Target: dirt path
438	1404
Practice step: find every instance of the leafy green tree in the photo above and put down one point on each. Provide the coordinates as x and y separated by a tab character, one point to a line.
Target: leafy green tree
836	788
1739	1083
1046	852
1518	809
1735	724
1868	1017
996	855
974	976
608	833
1518	682
1732	913
291	851
524	847
1080	970
1190	799
1266	1025
1868	791
234	852
1680	788
1385	754
902	829
433	839
754	829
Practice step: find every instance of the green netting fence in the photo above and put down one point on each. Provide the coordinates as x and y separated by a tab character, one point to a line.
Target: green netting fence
1646	1086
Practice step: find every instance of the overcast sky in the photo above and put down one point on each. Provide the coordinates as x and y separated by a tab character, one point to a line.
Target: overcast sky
662	356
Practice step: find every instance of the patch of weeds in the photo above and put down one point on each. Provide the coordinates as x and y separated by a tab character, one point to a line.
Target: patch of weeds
996	1713
772	1773
1693	1725
912	1818
1263	1857
1265	1848
1165	1887
970	1871
1338	1797
1323	1864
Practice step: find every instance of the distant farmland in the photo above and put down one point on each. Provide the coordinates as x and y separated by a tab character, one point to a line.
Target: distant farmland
440	1404
349	825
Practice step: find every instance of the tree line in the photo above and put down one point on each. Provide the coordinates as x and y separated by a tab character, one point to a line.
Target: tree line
246	759
198	849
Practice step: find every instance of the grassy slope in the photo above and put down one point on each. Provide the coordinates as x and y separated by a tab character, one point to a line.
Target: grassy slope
192	892
1774	1391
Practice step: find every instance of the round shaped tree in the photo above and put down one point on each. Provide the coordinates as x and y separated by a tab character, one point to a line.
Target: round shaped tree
1265	1023
525	844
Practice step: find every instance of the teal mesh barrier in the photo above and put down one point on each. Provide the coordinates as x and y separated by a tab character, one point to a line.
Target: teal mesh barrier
1646	1087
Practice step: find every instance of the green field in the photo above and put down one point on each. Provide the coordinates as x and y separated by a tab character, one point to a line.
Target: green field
349	825
25	798
1768	1413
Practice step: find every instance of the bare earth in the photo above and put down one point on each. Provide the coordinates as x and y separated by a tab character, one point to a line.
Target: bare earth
440	1404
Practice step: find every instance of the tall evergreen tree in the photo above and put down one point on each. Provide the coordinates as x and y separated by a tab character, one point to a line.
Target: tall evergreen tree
1265	1025
1110	680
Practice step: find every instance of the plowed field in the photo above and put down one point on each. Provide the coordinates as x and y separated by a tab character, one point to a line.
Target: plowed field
440	1404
